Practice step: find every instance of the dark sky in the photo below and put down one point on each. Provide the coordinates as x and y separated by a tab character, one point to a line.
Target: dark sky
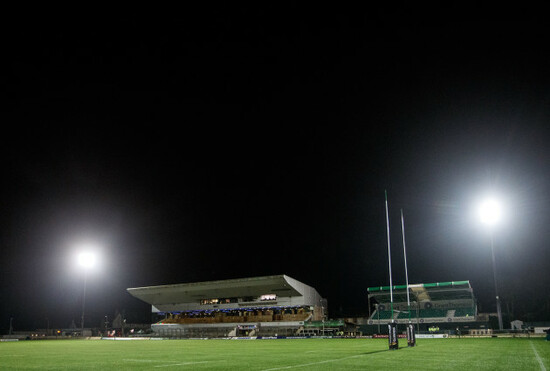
212	143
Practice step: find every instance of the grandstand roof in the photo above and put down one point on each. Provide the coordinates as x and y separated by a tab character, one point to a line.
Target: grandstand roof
281	285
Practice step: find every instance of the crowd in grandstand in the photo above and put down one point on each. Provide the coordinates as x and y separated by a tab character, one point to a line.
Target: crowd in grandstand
256	314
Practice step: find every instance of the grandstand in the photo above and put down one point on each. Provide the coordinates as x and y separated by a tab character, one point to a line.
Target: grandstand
259	306
431	303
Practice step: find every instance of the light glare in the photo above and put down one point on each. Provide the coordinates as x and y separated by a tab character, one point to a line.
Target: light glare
86	259
490	212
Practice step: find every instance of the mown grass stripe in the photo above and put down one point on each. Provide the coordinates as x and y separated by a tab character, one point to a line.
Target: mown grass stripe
313	363
148	360
183	364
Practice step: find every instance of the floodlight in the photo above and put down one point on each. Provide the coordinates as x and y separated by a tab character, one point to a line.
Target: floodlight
86	259
490	212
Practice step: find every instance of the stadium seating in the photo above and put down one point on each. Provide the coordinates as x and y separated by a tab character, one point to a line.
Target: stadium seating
440	302
382	314
464	312
432	313
405	315
441	314
239	315
449	295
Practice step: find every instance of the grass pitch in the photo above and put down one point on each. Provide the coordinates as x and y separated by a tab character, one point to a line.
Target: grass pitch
298	354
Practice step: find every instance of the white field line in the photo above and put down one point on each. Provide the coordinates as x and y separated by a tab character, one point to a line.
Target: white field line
538	357
313	363
147	360
183	364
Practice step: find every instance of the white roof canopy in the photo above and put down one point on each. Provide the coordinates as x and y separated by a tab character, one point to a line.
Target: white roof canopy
280	285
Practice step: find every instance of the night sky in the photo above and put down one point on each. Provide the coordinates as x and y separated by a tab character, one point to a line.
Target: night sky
226	142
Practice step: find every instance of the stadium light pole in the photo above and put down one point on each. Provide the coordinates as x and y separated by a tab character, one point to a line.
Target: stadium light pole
86	261
490	214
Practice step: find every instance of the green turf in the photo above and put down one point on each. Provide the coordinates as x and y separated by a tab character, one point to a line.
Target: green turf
299	354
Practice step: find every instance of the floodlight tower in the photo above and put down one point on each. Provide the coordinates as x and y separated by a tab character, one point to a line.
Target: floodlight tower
87	261
490	214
